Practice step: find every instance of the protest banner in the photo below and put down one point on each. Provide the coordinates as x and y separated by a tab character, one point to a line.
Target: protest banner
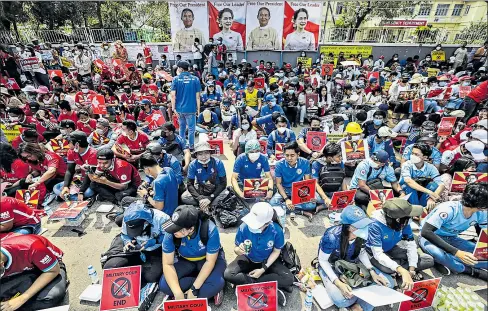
303	191
55	73
316	140
264	25
301	32
387	86
60	146
99	139
217	145
461	179
432	72
99	63
341	199
198	304
346	49
407	95
155	120
259	83
30	198
311	100
256	187
227	20
422	293
446	126
264	146
189	20
379	197
65	62
438	56
29	64
306	61
258	296
481	249
98	104
10	133
418	105
464	90
447	93
69	210
327	70
333	138
355	150
121	288
279	151
11	84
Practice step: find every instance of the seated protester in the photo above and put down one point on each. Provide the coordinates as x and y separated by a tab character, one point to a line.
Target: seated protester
346	242
175	145
270	106
371	127
421	179
464	149
482	115
134	139
83	97
139	243
146	111
66	112
302	139
134	78
103	136
210	99
208	122
353	132
81	158
407	126
391	242
382	141
166	160
281	135
463	164
329	170
59	94
27	136
267	123
122	113
440	231
290	169
262	263
32	266
128	98
147	82
227	110
46	125
113	179
431	141
111	99
66	127
16	116
206	181
428	127
337	125
85	123
370	175
243	134
198	271
163	194
251	165
16	216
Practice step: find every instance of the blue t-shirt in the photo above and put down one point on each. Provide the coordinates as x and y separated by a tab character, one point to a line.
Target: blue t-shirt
384	173
192	248
265	110
263	243
410	170
166	190
436	155
275	137
290	174
331	243
186	87
170	161
232	80
266	122
178	139
247	169
380	235
213	121
202	174
448	217
216	96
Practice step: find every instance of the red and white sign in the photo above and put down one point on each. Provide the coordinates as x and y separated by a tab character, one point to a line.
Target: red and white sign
257	296
311	100
69	210
29	64
199	304
11	84
374	74
99	63
481	249
379	197
98	104
464	90
55	73
461	179
156	119
303	191
316	140
116	63
279	151
418	105
327	70
217	145
341	199
121	288
30	198
264	146
422	294
446	126
403	23
259	83
447	93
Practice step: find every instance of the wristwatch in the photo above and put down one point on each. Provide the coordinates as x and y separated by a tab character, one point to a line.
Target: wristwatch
195	291
265	267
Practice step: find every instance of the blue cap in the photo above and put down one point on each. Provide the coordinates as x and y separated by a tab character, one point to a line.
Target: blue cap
383	107
381	156
356	217
269	98
373	80
146	101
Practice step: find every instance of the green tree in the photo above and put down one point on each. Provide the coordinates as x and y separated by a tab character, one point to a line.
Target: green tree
117	14
12	13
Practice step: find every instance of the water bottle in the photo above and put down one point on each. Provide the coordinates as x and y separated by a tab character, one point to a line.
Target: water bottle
48	210
308	301
92	273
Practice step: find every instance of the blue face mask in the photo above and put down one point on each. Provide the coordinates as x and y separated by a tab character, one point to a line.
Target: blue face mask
442	84
377	122
291	91
256	231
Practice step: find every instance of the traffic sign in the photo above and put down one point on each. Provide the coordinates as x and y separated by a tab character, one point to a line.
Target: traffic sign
121	288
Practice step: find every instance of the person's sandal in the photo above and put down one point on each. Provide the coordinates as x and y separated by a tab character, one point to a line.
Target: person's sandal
307	214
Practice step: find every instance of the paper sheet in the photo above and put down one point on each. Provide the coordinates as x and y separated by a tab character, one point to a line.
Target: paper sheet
105	208
377	295
320	295
62	308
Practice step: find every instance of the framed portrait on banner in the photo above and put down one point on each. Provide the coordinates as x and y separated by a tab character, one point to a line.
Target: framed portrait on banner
461	179
256	187
354	150
264	25
301	25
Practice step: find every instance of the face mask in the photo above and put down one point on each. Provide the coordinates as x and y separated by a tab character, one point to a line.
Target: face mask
85	91
438	48
466	84
377	122
105	47
335	163
245	127
127	91
442	84
99	131
253	156
373	164
395	59
14	119
256	231
281	130
415	159
291	91
315	129
204	161
356	137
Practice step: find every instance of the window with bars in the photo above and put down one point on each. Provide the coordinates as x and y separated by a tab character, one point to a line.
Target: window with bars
466	10
442	10
425	9
458	8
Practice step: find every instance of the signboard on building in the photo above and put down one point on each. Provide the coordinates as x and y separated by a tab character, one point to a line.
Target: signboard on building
403	23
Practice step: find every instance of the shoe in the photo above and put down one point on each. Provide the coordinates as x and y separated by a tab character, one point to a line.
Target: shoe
442	269
281	298
91	201
219	298
301	124
49	198
479	273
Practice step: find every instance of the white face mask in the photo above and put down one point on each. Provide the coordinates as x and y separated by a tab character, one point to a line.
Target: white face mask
63	132
253	156
105	47
99	131
245	127
78	52
415	159
14	119
356	137
373	164
85	91
256	231
281	130
204	161
438	48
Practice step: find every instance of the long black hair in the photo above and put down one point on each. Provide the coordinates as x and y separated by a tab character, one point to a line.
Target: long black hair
7	156
359	243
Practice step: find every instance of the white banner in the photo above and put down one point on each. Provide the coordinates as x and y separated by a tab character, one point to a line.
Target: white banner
264	25
227	20
189	20
302	25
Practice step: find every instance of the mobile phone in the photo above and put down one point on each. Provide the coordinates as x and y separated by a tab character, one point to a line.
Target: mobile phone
92	169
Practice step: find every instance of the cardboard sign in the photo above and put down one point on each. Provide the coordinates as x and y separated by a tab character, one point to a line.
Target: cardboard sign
199	304
446	126
116	63
434	93
355	150
10	133
447	93
29	64
333	138
432	72
69	210
258	296
30	198
121	288
66	62
303	191
264	146
217	145
418	105
407	95
374	74
55	73
379	197
99	139
98	104
155	120
11	84
327	70
60	146
481	249
341	199
464	90
99	63
438	56
316	140
259	83
387	86
461	179
256	188
306	61
422	293
311	100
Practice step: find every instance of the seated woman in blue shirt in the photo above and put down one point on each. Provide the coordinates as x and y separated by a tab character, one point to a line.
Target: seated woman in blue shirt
346	242
211	98
198	271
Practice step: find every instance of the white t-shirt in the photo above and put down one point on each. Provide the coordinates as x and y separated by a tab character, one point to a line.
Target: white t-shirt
402	126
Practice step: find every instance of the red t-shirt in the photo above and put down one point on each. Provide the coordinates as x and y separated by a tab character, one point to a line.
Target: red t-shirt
66	116
88	157
129	100
137	145
83	127
479	93
124	172
52	159
84	99
17	211
128	116
19	139
28	252
18	170
145	88
147	52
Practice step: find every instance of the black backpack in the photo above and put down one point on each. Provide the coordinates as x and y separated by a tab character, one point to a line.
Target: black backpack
331	177
290	259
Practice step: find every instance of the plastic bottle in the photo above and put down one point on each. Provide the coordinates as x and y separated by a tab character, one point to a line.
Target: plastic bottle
92	273
308	301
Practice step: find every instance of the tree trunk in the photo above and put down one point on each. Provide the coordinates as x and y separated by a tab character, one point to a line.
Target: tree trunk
99	14
16	30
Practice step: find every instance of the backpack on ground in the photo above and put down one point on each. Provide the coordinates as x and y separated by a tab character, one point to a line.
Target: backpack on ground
290	258
230	210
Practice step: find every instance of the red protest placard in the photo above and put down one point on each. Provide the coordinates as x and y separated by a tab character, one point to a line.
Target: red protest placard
341	199
259	83
122	149
11	84
256	188
311	100
60	146
98	104
418	105
303	191
464	90
447	93
121	288
175	121
446	126
257	296
99	63
279	151
316	140
199	304
116	63
217	145
379	197
55	73
374	74
156	119
69	210
422	293
434	93
30	198
327	70
481	249
461	179
264	146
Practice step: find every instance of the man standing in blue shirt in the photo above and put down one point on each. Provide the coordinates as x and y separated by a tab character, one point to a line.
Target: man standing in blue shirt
185	101
440	231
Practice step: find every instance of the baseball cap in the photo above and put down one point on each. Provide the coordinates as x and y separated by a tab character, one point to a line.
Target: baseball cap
432	137
483	123
373	80
145	101
105	154
381	156
184	65
399	208
184	216
207	115
135	227
356	217
243	60
77	136
154	148
147	75
385	131
261	213
103	122
480	134
476	149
